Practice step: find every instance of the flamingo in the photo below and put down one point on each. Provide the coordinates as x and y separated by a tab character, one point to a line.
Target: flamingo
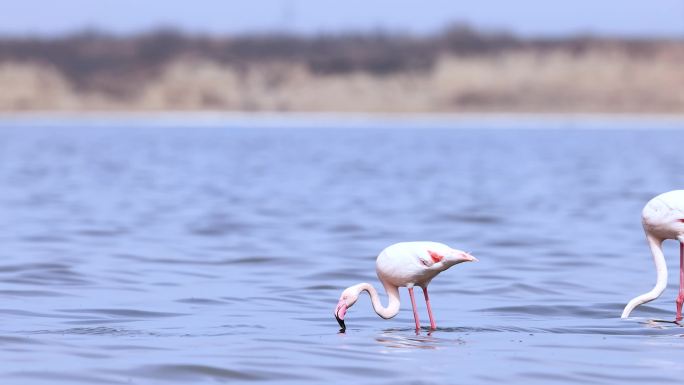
406	264
663	218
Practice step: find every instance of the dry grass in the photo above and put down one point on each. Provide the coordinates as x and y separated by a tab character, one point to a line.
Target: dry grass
30	86
516	81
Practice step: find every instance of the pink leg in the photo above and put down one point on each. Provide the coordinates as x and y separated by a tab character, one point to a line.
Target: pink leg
415	311
433	325
680	297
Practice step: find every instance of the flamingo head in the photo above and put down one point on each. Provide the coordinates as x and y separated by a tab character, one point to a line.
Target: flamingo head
458	256
347	299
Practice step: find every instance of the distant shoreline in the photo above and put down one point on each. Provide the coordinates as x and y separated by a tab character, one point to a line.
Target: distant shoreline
458	71
335	119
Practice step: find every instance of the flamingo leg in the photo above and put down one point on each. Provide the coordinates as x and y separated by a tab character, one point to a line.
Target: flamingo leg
433	325
415	311
680	297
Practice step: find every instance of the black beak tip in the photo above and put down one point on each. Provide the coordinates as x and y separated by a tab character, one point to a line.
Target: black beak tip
340	321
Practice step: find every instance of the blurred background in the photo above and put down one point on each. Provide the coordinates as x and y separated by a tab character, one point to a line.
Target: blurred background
354	56
139	246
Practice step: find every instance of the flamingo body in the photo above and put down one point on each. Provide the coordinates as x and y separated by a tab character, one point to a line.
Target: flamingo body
662	218
405	264
408	264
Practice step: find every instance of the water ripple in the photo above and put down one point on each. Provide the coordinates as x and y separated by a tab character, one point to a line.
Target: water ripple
166	252
186	372
133	313
99	330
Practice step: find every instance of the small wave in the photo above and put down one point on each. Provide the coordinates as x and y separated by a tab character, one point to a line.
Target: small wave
217	226
100	330
66	378
33	266
42	238
554	310
14	340
254	260
322	287
25	313
32	293
103	233
363	371
195	372
346	228
40	274
125	313
520	243
653	328
243	260
201	301
464	329
471	218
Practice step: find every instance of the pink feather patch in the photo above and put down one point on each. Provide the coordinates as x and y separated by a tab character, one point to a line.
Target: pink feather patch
436	257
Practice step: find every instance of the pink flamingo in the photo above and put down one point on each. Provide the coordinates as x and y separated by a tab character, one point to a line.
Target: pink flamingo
406	264
663	218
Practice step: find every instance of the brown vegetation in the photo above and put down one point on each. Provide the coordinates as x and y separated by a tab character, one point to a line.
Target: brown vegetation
457	71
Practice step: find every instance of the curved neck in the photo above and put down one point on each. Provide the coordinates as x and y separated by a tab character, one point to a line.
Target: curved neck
661	267
661	277
392	293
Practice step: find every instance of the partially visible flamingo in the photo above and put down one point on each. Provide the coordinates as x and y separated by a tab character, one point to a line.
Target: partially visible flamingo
406	264
663	218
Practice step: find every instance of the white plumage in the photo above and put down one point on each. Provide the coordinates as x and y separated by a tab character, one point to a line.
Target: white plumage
405	264
663	218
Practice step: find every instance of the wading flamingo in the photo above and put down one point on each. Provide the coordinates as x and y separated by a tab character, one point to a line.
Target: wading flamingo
406	264
663	218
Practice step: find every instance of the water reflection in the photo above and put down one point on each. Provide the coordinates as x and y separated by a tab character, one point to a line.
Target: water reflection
402	339
661	324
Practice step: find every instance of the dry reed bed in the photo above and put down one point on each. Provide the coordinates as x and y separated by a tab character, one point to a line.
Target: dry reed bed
514	81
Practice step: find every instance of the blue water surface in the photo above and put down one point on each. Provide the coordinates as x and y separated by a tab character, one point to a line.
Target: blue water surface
143	251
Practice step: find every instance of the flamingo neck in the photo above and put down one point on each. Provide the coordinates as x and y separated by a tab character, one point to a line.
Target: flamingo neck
661	266
392	293
656	246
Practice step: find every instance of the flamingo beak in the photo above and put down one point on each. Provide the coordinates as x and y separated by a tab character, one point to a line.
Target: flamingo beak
469	258
340	311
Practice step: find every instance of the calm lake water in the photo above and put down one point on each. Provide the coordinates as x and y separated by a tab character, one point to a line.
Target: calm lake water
162	251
